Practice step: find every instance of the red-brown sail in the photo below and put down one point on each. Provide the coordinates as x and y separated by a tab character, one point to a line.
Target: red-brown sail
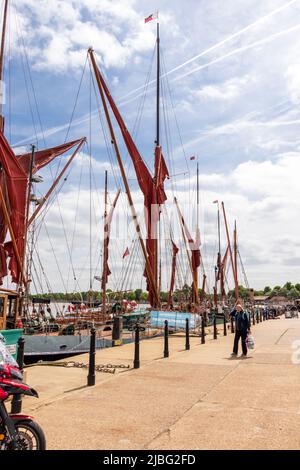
172	283
107	227
43	157
194	245
152	188
14	181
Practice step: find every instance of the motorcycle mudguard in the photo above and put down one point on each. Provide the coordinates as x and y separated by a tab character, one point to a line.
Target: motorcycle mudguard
19	417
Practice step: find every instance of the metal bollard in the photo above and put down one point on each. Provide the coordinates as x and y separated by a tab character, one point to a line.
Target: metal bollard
136	362
16	403
202	330
250	320
232	324
166	349
92	357
225	328
215	328
253	318
257	317
260	316
187	334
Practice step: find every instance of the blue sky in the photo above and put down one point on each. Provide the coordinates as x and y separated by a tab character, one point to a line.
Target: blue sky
236	101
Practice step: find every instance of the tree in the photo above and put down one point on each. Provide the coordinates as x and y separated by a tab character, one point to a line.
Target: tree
283	291
297	286
144	296
138	294
288	285
293	294
267	289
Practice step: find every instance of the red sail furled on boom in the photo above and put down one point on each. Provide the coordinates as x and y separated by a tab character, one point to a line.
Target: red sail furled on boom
43	157
107	228
13	182
193	245
172	283
152	188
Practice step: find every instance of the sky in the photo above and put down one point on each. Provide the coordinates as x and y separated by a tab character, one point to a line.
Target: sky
230	96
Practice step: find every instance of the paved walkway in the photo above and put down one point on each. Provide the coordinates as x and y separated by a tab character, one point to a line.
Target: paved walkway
197	399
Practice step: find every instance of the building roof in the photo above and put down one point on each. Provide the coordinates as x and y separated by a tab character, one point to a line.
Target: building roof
261	298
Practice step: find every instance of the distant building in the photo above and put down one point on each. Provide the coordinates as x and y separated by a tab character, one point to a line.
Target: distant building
261	298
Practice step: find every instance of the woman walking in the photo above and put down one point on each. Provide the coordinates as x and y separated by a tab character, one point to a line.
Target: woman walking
241	329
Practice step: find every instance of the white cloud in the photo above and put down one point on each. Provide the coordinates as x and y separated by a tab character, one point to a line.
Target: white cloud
64	29
229	90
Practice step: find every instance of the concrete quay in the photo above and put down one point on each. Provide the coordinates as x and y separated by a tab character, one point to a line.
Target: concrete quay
196	399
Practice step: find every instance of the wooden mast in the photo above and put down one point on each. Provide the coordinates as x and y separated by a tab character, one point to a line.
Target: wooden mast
231	256
157	241
235	249
197	230
23	259
123	174
2	50
105	249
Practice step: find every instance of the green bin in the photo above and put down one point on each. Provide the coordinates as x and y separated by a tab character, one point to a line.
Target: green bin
11	340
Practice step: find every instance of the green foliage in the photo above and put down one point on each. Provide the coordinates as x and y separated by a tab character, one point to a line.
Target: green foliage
267	290
138	294
288	290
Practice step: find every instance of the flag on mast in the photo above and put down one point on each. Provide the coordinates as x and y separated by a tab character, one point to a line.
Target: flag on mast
193	157
126	253
216	201
154	16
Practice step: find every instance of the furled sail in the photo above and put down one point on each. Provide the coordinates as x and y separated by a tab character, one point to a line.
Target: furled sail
107	228
194	245
14	183
152	188
172	283
43	157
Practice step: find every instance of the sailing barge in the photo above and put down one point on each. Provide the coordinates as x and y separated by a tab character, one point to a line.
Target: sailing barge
19	173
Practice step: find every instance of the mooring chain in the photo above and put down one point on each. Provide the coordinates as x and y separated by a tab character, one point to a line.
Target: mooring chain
107	368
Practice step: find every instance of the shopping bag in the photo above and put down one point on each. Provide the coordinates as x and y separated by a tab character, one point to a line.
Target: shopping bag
250	341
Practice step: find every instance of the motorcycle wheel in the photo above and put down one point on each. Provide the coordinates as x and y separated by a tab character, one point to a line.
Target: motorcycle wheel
31	436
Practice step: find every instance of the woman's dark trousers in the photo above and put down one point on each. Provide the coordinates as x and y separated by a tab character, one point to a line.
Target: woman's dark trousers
243	335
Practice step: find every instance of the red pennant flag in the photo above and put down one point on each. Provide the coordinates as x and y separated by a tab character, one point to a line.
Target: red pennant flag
216	201
126	253
154	16
193	157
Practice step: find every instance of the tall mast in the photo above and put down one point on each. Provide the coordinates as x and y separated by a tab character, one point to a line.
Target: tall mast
158	89
235	248
231	257
29	187
157	241
2	58
197	231
105	249
121	166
